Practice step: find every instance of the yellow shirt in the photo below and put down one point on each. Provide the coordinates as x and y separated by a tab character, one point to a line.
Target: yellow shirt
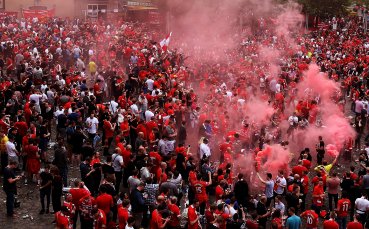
92	66
3	141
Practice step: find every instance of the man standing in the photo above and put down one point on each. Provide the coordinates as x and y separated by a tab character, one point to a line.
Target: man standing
269	185
118	165
138	204
293	222
333	185
11	150
45	189
92	125
10	186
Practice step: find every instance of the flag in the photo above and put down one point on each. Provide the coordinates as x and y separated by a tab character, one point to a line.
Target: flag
165	42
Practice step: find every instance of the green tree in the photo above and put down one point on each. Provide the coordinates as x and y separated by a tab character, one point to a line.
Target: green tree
325	8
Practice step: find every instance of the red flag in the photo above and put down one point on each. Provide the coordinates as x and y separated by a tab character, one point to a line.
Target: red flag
165	42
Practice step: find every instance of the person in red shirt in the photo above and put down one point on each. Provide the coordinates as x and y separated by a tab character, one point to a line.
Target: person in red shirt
193	217
104	201
219	190
252	223
200	191
173	207
123	214
331	223
318	196
78	193
157	221
86	204
99	218
355	224
311	219
299	169
305	187
343	207
62	220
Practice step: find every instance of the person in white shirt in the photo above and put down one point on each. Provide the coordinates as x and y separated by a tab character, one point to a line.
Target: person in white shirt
205	149
148	115
37	96
113	106
11	150
58	112
118	165
92	125
281	183
150	84
135	109
362	205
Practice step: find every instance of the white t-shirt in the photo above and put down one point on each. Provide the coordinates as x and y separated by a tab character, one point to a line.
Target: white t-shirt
283	182
150	84
117	162
204	149
10	149
134	109
92	125
113	106
36	98
149	115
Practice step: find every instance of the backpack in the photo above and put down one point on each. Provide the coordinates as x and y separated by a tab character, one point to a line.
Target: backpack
183	219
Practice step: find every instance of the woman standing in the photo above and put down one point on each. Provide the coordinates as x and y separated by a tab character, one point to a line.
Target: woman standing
33	159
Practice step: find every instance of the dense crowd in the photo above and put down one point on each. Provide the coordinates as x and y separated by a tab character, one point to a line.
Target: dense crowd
107	100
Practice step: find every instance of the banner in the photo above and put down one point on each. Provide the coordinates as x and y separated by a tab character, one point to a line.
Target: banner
4	14
38	13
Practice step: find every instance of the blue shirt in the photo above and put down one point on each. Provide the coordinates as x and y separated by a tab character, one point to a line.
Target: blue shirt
293	222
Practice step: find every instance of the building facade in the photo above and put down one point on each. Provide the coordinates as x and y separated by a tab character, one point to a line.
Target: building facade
66	8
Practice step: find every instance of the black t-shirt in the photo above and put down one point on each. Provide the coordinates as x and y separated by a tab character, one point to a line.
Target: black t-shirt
234	225
45	178
9	187
107	169
62	120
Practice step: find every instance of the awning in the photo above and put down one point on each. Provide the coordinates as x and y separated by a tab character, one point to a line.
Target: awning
141	5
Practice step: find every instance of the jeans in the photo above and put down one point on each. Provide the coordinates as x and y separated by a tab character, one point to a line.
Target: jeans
45	193
342	221
9	202
332	197
118	180
64	175
4	161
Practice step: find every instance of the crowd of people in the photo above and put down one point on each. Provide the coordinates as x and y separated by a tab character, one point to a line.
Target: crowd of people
103	98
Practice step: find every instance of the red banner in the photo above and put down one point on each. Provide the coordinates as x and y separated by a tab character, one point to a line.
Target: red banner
38	13
4	14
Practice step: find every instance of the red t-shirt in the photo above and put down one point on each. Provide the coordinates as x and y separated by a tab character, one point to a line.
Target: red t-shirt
318	190
299	169
156	220
343	207
123	215
218	192
62	221
354	225
330	224
109	133
174	221
192	215
77	194
251	224
100	221
200	191
311	218
104	202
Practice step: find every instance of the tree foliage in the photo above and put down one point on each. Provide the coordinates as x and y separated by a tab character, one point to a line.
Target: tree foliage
325	8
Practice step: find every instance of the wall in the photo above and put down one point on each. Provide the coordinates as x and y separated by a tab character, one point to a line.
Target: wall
64	8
